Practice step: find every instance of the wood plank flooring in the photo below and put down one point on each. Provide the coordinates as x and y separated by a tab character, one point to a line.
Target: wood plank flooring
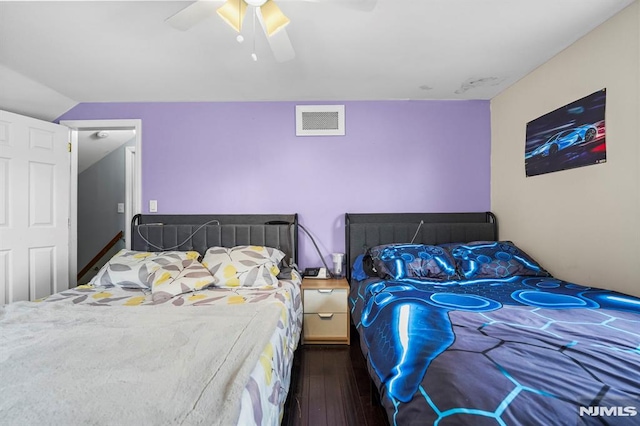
330	386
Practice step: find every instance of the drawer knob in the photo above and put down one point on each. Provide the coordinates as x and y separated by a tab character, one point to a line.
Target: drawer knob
325	316
325	290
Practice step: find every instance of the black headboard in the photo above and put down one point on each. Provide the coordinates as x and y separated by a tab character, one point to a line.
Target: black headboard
199	232
365	230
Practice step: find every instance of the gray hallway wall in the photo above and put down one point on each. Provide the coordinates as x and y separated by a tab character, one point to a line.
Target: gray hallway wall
100	188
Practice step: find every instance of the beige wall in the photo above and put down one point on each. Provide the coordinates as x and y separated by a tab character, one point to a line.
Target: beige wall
583	224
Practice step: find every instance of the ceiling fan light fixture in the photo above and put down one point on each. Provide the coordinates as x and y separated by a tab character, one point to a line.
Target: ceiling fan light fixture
273	17
232	12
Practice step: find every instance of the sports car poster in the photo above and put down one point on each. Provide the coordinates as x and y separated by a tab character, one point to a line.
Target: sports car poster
569	137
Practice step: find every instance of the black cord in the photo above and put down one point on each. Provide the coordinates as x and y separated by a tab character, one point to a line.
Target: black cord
317	250
178	245
292	261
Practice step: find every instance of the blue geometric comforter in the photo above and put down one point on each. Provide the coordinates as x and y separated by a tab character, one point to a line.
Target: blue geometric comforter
512	351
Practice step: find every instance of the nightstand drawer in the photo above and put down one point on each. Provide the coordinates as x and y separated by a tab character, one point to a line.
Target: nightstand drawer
325	300
325	326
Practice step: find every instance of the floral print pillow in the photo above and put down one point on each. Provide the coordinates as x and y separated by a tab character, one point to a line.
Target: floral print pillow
243	266
132	269
178	278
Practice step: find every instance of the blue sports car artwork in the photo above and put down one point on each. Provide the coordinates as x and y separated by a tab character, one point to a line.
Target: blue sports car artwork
568	137
564	139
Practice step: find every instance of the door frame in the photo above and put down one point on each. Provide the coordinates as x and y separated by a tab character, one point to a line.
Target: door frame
131	191
78	125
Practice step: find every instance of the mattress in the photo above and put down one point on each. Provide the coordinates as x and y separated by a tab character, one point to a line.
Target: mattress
510	351
228	322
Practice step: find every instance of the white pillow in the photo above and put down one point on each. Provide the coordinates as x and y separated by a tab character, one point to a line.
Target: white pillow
243	266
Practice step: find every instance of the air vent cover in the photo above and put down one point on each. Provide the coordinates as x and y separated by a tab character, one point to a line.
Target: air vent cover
320	120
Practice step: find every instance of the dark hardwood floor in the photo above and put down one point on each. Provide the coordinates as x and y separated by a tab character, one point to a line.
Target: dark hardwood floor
330	386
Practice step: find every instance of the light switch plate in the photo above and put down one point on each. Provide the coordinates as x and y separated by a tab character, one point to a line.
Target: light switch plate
120	207
153	206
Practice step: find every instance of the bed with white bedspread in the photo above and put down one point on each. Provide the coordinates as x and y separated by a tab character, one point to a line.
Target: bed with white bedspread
178	351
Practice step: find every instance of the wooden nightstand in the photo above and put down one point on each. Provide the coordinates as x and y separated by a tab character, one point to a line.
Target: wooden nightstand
326	311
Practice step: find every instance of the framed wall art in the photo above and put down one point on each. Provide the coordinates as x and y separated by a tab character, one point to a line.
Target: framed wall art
568	137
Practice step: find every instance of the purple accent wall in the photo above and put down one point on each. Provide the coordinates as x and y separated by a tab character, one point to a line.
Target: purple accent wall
244	157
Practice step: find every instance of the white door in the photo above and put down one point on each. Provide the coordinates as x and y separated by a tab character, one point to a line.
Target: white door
34	208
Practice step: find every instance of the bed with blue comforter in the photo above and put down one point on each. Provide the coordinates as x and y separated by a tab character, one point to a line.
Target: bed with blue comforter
480	334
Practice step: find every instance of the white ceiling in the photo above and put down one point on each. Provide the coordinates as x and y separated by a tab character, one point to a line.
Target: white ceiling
93	148
55	54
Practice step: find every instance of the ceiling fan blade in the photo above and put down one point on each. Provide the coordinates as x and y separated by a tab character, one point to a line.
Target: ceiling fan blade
192	14
279	41
362	5
281	46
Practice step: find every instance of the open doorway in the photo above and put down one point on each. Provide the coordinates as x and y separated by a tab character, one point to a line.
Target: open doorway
97	204
101	197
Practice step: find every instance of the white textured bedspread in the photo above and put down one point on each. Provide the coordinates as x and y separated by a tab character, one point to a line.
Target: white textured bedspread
69	364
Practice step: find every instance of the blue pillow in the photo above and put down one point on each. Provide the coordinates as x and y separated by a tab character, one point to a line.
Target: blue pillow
398	261
357	271
494	259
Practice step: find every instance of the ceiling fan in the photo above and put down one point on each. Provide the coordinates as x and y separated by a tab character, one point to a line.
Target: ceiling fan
266	12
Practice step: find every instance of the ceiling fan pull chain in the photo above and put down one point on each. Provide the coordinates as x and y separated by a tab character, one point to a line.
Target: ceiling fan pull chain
253	55
240	38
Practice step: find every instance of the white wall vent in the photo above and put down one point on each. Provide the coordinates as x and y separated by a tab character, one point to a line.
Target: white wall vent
320	120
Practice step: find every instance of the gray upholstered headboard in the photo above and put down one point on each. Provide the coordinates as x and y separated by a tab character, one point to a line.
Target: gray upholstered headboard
366	230
186	232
